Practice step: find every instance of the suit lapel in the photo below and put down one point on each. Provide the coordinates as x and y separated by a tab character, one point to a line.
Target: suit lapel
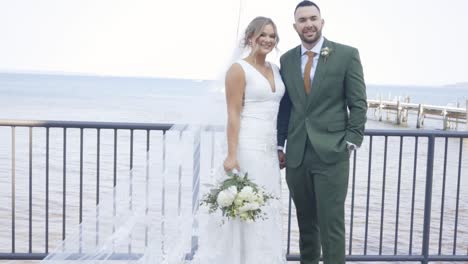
320	73
298	86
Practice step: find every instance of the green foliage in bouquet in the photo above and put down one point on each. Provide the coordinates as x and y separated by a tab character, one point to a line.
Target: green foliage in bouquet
239	197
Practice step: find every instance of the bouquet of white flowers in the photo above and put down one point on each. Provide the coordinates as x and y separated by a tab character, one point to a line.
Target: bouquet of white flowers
239	197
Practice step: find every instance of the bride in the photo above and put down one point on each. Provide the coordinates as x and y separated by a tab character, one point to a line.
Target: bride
253	91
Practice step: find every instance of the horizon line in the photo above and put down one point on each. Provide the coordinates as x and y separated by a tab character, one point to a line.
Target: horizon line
463	84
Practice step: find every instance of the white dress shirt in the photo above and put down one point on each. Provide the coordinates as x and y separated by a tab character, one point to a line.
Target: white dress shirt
316	49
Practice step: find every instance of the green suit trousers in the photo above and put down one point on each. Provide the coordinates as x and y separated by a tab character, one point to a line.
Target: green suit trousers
319	193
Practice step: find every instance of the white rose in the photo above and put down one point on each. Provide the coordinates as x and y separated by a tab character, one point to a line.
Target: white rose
238	201
249	207
232	190
247	194
226	197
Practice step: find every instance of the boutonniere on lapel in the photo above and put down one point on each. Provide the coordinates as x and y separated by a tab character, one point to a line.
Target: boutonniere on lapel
325	52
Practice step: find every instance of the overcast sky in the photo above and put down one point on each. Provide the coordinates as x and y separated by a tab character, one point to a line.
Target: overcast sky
418	42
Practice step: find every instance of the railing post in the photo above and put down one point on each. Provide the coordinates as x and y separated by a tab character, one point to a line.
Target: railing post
428	199
195	188
13	189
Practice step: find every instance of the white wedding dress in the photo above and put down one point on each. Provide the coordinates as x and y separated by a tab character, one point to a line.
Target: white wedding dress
260	242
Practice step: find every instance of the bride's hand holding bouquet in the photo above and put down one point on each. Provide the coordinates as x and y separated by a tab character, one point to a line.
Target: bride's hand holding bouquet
237	197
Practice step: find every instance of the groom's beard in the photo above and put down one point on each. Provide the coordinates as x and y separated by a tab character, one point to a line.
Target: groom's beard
313	40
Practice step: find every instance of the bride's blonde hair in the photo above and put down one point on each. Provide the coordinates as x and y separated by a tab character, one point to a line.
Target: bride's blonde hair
255	28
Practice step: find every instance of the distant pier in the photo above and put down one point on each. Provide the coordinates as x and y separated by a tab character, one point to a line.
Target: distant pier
399	110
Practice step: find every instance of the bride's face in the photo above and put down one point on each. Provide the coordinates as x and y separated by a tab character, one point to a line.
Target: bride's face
266	41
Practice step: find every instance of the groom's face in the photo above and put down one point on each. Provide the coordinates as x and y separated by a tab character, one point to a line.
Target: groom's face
308	25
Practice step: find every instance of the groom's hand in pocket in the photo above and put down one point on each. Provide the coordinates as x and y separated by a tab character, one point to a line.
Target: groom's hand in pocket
281	159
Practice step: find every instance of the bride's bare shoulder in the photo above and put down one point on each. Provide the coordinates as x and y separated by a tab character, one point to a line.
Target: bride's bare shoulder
235	72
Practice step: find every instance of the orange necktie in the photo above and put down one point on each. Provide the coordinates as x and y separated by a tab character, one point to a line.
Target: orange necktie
307	69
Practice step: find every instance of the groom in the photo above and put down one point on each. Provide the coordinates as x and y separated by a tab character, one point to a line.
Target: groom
323	81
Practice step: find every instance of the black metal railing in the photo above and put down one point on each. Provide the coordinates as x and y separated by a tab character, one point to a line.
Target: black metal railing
113	128
434	244
406	200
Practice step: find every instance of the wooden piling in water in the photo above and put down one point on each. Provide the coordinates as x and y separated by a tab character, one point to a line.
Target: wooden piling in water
406	112
388	110
398	114
380	109
466	107
420	118
445	117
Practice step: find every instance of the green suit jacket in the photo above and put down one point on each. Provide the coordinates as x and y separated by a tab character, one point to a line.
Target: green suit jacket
333	113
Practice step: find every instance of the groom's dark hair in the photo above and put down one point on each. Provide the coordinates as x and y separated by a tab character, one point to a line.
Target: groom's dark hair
306	3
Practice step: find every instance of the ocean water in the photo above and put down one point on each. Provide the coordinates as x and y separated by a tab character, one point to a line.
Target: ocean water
156	100
85	98
153	100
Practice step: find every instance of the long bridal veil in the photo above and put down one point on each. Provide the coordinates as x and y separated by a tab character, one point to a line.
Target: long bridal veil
150	215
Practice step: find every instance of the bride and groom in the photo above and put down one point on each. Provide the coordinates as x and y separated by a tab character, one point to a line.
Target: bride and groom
322	118
316	101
